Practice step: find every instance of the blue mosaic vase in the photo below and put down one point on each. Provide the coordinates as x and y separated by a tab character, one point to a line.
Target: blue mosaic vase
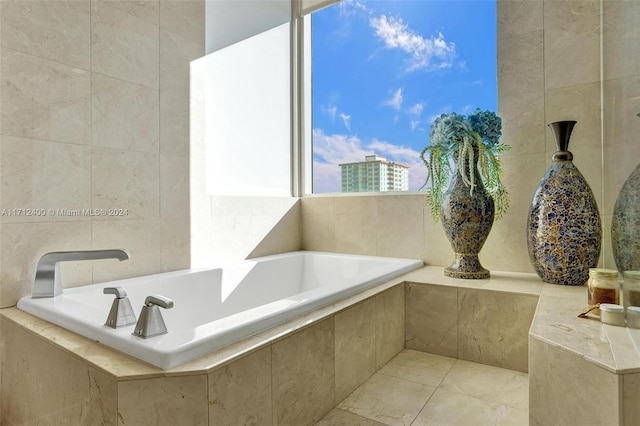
564	231
467	219
625	226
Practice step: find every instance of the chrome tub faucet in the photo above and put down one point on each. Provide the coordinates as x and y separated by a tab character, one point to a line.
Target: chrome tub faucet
48	282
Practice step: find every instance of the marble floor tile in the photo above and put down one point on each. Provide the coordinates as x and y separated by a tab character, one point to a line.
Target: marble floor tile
453	409
420	367
338	417
418	388
492	384
388	400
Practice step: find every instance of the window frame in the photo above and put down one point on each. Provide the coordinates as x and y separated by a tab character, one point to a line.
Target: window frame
301	120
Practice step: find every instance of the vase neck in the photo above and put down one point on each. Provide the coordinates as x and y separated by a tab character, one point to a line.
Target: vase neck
562	133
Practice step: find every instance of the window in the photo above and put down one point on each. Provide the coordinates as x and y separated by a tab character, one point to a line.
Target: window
288	101
382	71
244	85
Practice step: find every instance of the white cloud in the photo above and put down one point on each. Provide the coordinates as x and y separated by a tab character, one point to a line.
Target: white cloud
414	124
332	110
417	109
331	150
346	119
401	154
349	7
396	100
326	178
338	148
426	53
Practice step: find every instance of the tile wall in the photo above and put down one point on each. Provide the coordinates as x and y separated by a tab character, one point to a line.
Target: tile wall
548	70
487	323
578	391
236	228
94	114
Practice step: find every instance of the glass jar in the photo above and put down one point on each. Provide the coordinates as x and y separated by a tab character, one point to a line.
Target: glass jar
631	288
602	287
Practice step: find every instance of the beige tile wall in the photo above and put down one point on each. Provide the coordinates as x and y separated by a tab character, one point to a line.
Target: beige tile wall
94	114
395	225
479	325
493	327
240	393
630	392
432	320
562	385
236	228
254	226
548	70
43	383
163	401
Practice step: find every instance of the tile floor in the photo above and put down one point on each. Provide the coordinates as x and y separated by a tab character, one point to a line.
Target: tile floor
417	388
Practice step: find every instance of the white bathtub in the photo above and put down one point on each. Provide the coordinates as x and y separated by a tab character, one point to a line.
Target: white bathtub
216	307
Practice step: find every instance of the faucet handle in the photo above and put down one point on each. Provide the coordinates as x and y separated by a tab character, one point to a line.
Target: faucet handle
120	292
158	300
150	322
121	313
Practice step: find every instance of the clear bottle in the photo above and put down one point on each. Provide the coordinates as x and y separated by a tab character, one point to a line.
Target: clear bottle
602	287
631	288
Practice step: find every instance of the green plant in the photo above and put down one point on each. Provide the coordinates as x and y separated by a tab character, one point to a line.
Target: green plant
458	139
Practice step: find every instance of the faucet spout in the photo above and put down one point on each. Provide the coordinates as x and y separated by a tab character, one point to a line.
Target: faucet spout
48	282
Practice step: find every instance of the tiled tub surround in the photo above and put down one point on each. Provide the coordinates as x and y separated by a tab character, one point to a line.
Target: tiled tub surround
292	374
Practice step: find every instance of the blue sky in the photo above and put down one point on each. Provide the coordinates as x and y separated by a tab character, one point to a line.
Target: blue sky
383	70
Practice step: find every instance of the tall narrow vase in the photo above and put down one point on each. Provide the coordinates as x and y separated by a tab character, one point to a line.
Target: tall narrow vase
564	230
467	218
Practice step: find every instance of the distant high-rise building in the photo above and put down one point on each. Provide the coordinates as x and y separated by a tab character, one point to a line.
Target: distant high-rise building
375	174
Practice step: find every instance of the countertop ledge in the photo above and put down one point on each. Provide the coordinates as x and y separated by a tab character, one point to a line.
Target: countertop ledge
556	322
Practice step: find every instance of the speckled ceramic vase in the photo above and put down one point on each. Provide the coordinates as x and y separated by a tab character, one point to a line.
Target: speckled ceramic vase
467	220
625	226
564	230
